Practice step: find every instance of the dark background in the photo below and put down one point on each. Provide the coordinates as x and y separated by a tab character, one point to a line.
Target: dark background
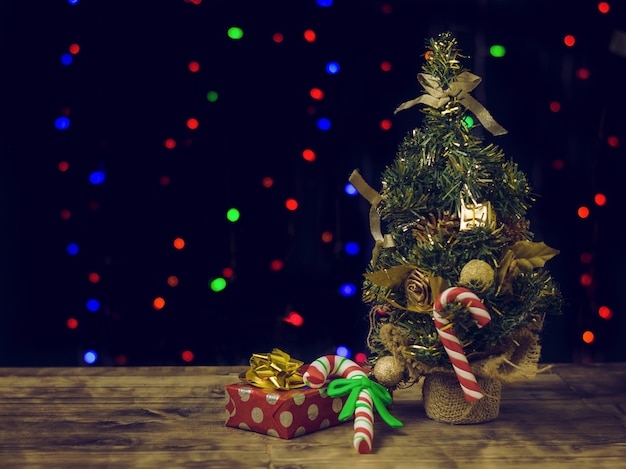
129	88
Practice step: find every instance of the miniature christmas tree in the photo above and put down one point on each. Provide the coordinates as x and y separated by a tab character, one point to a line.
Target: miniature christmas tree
457	289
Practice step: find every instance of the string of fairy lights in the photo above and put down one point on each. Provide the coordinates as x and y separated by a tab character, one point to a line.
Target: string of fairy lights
220	277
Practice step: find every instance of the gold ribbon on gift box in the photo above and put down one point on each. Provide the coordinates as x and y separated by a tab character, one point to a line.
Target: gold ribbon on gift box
275	370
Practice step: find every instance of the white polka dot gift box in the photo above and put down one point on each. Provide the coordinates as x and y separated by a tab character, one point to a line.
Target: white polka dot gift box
273	400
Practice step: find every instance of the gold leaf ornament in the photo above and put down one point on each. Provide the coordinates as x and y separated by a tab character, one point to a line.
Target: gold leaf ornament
522	257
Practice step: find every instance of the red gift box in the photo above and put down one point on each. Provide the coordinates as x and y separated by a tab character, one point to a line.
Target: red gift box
282	414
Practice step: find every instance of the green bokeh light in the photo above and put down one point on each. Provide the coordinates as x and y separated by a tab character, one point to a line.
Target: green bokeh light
233	215
468	121
212	96
217	284
235	33
497	50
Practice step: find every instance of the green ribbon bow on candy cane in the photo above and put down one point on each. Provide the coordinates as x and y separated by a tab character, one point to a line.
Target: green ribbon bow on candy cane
380	397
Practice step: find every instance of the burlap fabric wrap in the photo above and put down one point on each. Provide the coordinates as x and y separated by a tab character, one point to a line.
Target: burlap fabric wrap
515	359
444	400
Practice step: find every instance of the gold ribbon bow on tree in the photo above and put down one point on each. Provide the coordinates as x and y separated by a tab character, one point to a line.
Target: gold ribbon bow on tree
437	96
275	370
374	198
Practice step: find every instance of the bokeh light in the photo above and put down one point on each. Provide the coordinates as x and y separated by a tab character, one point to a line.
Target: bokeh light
71	323
586	280
569	40
228	272
604	7
588	337
97	177
276	265
343	351
93	277
497	51
583	212
169	143
217	284
385	66
62	123
212	96
600	199
327	237
172	281
612	141
291	204
347	289
278	37
352	248
235	32
158	303
294	318
316	93
309	155
90	357
323	123
233	215
92	305
309	35
555	106
605	312
193	66
72	249
350	189
267	182
385	124
67	59
332	68
179	243
193	123
187	356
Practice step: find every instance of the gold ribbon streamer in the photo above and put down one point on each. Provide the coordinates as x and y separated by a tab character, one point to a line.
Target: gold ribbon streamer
275	370
373	198
460	89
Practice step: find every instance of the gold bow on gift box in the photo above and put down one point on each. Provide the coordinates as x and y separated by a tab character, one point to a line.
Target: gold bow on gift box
275	370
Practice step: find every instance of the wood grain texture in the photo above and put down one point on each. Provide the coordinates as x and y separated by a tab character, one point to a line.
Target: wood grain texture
572	416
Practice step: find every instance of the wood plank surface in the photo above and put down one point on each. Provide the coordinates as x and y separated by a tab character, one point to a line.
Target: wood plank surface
572	416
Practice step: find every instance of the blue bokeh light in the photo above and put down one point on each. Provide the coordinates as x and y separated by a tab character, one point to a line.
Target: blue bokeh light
90	357
350	189
97	177
323	123
72	249
67	59
324	3
347	289
93	305
343	351
62	123
332	68
352	248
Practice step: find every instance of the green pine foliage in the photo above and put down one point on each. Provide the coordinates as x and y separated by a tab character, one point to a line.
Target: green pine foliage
439	168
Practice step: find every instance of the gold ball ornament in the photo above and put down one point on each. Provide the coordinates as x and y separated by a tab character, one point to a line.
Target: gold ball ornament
388	371
477	274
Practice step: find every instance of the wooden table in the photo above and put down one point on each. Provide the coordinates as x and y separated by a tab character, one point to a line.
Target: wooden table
573	416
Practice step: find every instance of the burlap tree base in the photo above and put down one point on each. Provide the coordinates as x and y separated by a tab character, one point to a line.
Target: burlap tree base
444	400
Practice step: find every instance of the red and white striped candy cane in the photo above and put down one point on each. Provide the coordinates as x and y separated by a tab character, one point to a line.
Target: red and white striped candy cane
451	342
335	365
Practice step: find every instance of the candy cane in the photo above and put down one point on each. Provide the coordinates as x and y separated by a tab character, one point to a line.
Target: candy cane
334	365
451	342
